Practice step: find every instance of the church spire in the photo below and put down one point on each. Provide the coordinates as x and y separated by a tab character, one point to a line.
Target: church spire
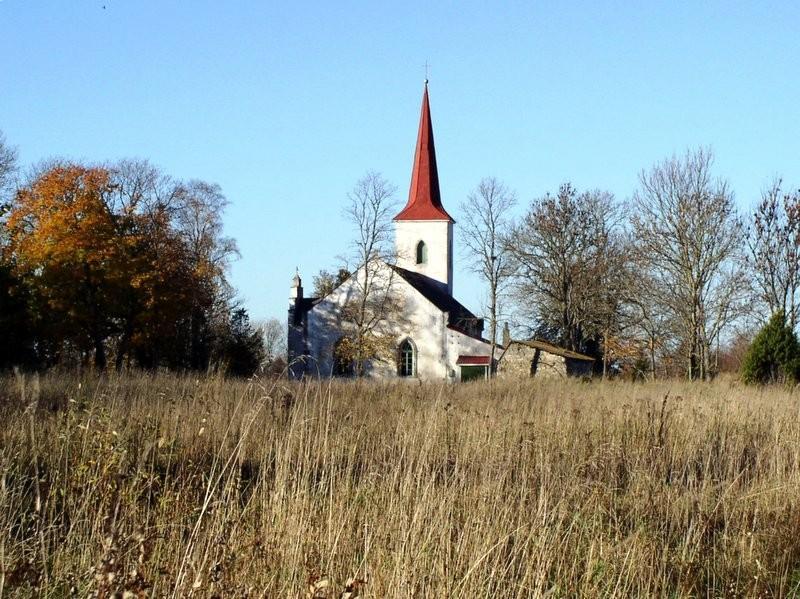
424	199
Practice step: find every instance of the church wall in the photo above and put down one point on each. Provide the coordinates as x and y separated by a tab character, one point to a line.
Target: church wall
420	321
460	344
438	236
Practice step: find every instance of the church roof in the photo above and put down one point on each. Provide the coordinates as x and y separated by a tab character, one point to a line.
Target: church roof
424	199
458	316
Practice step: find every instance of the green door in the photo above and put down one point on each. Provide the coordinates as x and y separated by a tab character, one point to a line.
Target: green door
472	373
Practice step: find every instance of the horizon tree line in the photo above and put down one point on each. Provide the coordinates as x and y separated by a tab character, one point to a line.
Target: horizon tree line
122	265
117	265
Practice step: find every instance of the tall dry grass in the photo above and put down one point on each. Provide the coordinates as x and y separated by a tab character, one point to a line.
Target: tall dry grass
179	486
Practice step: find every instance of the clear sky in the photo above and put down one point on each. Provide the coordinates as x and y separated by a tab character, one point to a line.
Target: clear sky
286	104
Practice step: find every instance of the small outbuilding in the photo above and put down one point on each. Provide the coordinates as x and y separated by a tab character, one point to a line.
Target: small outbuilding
520	359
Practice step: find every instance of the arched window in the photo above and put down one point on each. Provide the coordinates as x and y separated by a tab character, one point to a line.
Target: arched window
407	362
422	253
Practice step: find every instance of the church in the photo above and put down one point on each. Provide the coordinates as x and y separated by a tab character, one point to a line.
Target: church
428	335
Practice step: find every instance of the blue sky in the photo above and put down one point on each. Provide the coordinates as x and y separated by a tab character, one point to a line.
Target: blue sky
287	104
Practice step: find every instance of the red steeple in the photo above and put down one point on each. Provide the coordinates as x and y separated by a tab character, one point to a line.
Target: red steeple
424	200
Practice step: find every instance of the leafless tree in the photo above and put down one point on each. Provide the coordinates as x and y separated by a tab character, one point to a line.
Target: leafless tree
370	208
652	325
774	251
8	169
485	218
273	332
689	237
198	220
567	251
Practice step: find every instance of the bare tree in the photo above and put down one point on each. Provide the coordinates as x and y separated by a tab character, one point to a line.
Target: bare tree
485	218
688	237
273	332
774	251
8	166
650	323
198	219
373	304
565	251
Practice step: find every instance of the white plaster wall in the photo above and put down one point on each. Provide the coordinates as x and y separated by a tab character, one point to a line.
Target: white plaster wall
438	236
460	344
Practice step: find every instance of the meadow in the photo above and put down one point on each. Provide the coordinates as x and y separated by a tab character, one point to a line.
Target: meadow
182	486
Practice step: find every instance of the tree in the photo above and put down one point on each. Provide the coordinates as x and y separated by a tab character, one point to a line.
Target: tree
63	239
652	324
273	333
325	282
485	227
242	347
8	169
688	239
372	305
774	355
198	220
15	325
774	251
566	253
121	261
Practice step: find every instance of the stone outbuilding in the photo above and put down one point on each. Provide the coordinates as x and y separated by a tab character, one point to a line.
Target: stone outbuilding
520	359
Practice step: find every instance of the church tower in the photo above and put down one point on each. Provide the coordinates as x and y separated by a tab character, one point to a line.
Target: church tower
424	229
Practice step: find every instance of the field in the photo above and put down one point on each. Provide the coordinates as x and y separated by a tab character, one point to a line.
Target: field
181	486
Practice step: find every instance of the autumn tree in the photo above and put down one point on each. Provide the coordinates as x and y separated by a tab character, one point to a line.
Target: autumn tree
123	261
774	251
153	313
688	241
566	252
486	222
325	281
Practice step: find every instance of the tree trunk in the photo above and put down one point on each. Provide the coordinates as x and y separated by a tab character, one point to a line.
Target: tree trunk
99	354
493	330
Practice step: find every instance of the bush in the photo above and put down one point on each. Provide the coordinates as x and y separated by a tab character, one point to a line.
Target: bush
774	356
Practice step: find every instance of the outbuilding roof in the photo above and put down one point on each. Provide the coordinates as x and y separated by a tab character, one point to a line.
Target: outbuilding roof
472	361
553	349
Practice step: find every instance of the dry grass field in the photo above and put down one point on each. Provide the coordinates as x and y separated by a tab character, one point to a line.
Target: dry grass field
186	487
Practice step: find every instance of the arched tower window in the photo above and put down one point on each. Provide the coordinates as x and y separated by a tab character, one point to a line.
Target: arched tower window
407	356
422	253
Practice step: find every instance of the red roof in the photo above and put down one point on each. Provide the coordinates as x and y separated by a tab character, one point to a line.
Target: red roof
424	199
472	361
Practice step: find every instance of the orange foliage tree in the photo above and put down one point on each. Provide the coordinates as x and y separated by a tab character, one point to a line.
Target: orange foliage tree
66	246
123	263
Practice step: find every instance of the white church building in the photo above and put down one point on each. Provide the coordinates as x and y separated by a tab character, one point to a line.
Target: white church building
435	337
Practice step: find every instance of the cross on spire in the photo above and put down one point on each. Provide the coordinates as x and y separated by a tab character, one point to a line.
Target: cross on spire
427	66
